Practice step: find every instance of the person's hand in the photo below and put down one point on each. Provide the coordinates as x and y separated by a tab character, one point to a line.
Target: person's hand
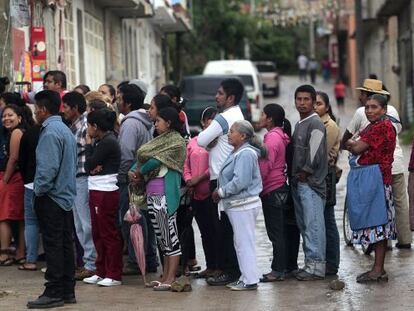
349	143
134	178
190	191
212	144
302	176
97	170
88	139
215	196
193	181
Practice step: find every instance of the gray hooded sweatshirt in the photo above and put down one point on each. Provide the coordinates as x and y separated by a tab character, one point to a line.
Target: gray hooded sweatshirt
136	130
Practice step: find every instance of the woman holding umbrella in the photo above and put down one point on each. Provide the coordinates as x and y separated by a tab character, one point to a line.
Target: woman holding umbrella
160	164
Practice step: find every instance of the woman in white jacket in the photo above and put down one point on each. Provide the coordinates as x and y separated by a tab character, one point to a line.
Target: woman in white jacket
239	186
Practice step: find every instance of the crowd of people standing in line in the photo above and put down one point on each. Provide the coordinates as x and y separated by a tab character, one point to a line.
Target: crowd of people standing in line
74	170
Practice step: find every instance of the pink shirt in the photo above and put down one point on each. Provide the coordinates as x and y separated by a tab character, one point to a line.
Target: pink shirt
196	164
272	168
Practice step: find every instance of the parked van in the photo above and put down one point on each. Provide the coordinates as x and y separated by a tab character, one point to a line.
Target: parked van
248	73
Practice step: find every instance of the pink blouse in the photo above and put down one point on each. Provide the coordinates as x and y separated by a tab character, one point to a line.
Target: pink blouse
196	164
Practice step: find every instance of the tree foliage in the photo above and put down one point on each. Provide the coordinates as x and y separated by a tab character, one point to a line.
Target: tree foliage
220	30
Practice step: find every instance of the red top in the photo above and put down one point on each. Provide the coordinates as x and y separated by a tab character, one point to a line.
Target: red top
380	137
339	90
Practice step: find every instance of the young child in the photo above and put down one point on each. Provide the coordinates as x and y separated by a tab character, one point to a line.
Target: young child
196	175
102	165
340	90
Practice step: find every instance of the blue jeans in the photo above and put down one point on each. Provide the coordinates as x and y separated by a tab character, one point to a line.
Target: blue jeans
309	210
332	240
147	230
82	220
31	228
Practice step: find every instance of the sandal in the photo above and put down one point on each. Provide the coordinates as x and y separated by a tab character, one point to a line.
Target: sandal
20	261
163	287
26	267
367	278
7	262
153	284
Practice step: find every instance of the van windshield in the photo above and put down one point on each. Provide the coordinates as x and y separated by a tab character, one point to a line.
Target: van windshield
266	68
248	82
200	88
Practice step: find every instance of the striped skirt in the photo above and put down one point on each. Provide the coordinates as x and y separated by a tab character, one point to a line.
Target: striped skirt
165	226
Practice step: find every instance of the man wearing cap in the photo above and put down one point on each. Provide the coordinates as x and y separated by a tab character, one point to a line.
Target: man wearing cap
357	124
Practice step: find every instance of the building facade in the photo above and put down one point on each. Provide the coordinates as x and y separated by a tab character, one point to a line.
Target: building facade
94	41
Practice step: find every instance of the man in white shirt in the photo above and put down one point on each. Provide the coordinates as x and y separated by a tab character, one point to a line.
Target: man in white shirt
303	66
357	124
214	139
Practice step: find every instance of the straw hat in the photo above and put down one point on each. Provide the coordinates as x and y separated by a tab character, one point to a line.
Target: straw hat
373	86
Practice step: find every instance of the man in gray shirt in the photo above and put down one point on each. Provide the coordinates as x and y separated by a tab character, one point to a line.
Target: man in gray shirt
309	169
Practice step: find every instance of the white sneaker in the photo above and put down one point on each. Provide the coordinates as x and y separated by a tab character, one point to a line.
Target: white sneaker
93	279
109	282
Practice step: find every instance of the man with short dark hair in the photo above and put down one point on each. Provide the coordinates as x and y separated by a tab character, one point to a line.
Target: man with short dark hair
214	139
55	191
55	80
135	130
74	111
309	170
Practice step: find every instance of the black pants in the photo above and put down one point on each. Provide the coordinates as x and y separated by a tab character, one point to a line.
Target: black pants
185	217
204	211
225	253
274	204
292	235
56	227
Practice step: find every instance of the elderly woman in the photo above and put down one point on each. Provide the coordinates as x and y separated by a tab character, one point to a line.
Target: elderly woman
371	207
239	186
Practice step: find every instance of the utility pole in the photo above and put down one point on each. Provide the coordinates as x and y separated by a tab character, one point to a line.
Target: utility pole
311	32
360	40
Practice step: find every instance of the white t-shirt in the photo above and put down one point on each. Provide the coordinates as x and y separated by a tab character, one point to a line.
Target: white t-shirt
219	128
359	122
302	62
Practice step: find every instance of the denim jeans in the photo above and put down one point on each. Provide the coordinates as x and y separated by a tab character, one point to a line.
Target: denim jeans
31	229
147	230
82	220
309	210
332	240
274	204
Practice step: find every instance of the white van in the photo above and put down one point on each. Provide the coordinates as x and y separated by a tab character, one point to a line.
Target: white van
248	73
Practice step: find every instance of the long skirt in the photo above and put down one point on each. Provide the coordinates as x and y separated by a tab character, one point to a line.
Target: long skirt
379	233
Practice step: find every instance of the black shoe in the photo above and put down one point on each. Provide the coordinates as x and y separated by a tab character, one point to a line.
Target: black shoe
220	280
402	246
44	302
69	299
331	271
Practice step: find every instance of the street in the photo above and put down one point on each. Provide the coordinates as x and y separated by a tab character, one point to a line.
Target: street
17	287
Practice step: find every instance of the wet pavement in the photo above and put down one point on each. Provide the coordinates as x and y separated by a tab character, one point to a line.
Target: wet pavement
16	287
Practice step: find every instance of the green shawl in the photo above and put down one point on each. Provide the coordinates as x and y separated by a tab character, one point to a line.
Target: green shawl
169	148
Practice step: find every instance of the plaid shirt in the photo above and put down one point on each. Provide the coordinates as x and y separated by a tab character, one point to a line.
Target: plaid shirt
78	129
